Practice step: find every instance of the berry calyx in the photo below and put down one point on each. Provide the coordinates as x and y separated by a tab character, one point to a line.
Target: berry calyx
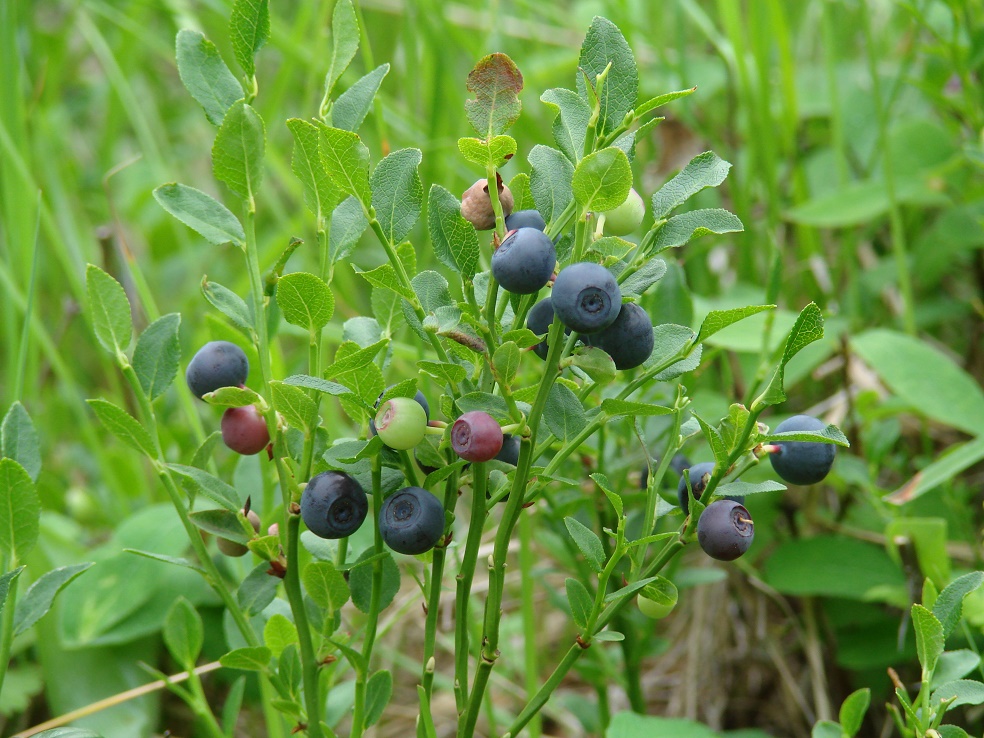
411	521
476	436
725	530
244	430
333	505
216	364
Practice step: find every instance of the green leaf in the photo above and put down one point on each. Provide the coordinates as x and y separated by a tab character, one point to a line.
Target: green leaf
321	385
602	180
612	248
954	665
949	604
952	731
704	170
505	363
348	223
494	152
305	300
930	382
563	413
38	599
496	83
5	581
256	658
352	106
661	100
206	76
613	497
124	426
68	733
550	181
220	522
110	310
229	304
492	404
360	579
966	691
237	154
233	397
346	160
397	194
20	508
445	371
257	590
827	729
867	201
19	440
595	363
355	360
344	41
830	434
739	488
325	585
379	689
643	278
453	238
155	359
294	404
385	277
615	407
632	725
278	634
184	633
851	569
609	635
929	538
670	340
571	121
202	213
714	440
249	29
580	602
853	709
212	487
588	542
604	44
717	320
807	329
683	228
163	558
320	194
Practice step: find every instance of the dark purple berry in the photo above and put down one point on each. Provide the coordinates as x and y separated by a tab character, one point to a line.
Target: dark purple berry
244	430
411	521
217	364
539	320
725	530
628	340
509	453
525	219
697	484
524	261
802	462
333	505
586	297
476	436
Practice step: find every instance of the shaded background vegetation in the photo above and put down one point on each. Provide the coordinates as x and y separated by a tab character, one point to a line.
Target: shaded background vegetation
855	132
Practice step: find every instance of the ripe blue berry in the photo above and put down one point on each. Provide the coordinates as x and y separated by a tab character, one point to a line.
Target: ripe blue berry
333	505
524	261
401	423
802	462
725	530
586	297
628	340
509	453
411	521
217	364
526	219
697	484
476	436
244	430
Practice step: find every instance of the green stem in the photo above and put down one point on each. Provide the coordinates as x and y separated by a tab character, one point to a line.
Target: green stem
531	641
7	625
464	582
